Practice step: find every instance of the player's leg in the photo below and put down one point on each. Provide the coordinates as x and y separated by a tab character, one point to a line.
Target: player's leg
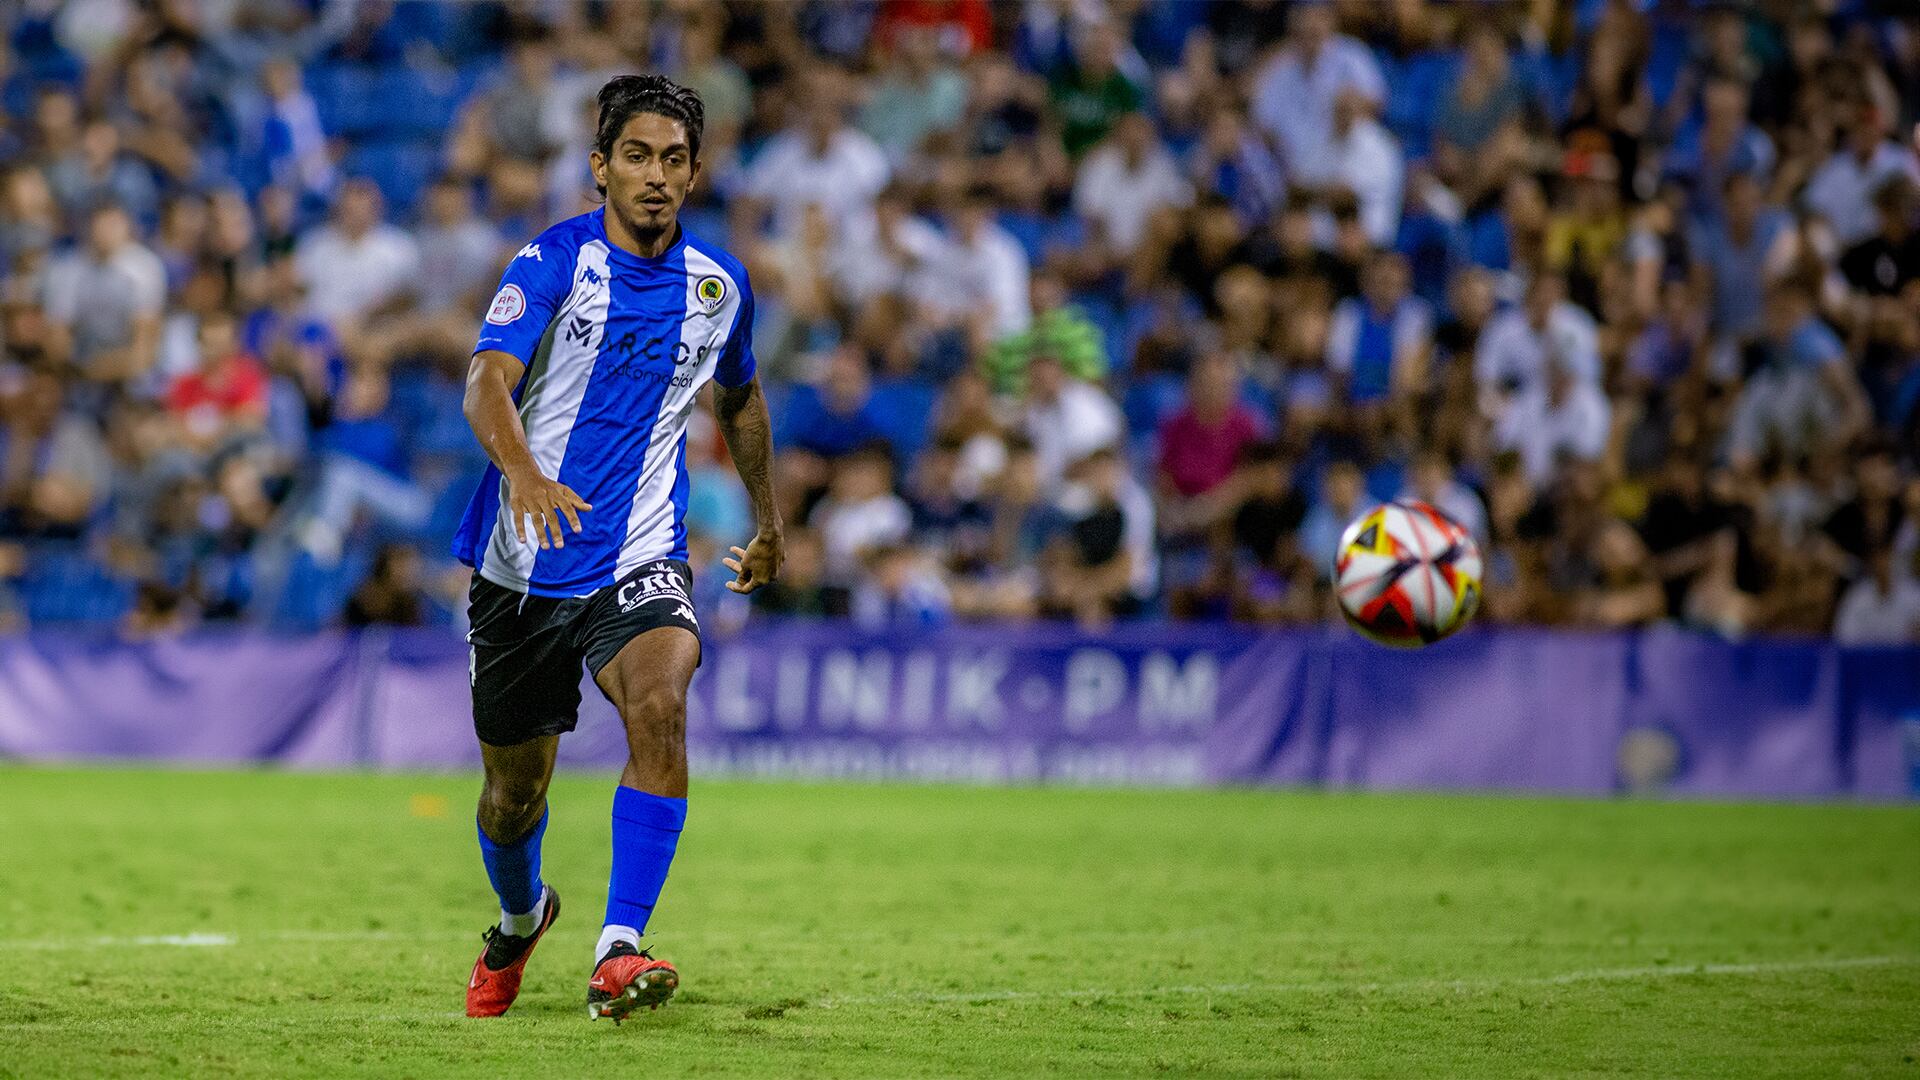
512	820
526	692
647	682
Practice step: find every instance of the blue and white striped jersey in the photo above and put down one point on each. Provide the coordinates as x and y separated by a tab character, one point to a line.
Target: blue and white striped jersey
616	347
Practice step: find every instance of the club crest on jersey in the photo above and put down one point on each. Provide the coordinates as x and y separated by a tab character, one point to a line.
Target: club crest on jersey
508	304
712	292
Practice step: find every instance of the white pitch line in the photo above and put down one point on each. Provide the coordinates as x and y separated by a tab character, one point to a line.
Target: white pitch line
211	940
1329	986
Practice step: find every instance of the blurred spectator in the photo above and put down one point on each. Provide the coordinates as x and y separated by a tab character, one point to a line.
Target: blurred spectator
1297	92
1880	608
1066	418
917	95
1379	342
363	466
96	172
391	594
225	397
1124	182
1841	191
104	302
817	160
293	141
1519	344
1343	497
837	416
801	588
1201	444
1559	418
54	470
860	512
1804	395
1104	564
900	589
359	264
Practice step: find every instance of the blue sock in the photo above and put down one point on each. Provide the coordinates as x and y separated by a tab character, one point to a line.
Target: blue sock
646	829
514	868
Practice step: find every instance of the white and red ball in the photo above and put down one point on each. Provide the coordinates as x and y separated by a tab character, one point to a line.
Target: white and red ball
1407	575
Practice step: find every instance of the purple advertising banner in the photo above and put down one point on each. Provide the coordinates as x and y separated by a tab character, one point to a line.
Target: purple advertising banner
1660	712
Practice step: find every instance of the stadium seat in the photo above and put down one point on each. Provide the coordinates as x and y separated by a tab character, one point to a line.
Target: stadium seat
68	586
401	168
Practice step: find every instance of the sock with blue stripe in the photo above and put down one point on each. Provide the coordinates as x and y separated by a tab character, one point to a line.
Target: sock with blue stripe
514	870
646	830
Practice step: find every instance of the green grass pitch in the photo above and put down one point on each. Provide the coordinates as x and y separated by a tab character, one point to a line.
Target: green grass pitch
273	924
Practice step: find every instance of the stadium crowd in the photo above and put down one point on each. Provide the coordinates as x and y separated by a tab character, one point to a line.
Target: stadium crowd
1066	309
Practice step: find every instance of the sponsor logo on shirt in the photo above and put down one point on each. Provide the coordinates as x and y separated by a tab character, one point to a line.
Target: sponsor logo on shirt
508	304
531	251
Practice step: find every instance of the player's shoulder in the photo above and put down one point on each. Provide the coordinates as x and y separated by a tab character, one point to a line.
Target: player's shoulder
556	247
699	248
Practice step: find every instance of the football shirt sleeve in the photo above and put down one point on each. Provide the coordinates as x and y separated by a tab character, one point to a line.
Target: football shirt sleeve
532	289
736	365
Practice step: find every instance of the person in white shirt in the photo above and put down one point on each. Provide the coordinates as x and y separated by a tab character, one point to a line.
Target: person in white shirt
1367	162
1881	608
1513	352
358	264
883	250
104	301
980	273
1841	190
1294	95
1124	182
821	161
1563	416
860	513
1066	419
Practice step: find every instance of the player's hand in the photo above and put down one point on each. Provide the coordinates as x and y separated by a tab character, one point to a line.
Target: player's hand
541	504
758	563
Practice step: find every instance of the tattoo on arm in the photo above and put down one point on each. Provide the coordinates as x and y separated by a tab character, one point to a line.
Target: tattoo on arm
742	415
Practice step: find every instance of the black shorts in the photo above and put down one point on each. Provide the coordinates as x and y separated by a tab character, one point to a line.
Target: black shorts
527	650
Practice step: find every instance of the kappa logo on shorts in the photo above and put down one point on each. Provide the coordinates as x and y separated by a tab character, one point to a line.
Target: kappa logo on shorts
645	589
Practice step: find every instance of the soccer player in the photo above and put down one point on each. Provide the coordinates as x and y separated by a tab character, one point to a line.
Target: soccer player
604	330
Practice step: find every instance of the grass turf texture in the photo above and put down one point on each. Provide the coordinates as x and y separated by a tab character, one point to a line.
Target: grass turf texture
897	931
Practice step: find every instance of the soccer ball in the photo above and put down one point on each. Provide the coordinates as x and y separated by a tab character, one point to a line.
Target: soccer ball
1407	574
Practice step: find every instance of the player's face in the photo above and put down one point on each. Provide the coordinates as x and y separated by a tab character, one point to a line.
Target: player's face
649	172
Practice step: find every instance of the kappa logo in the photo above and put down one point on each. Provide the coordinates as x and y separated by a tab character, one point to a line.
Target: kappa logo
685	611
712	292
531	251
647	588
508	304
590	276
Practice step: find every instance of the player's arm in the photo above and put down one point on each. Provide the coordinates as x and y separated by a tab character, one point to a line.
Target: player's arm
537	502
741	412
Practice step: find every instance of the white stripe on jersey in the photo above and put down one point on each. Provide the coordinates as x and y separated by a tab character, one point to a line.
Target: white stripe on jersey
651	518
550	403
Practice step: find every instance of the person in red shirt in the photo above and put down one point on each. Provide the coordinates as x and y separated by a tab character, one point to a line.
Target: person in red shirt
225	398
1200	445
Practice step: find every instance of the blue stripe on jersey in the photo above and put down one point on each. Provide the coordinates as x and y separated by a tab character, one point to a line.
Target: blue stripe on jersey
608	445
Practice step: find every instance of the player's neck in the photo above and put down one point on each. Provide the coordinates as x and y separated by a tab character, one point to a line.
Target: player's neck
647	245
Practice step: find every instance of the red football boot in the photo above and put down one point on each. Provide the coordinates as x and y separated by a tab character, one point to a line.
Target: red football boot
495	981
627	978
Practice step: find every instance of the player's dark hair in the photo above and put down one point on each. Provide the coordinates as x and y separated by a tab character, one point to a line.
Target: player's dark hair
627	96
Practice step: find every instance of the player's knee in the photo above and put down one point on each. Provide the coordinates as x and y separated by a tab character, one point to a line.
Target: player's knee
515	798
